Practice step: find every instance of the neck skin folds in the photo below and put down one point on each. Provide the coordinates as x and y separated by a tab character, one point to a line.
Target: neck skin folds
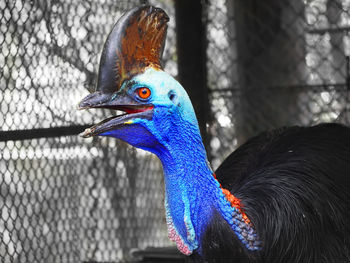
192	193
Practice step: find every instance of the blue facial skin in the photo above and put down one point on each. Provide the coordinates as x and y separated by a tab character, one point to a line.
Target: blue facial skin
173	135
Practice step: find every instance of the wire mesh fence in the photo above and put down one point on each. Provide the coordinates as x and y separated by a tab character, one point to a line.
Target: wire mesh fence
66	199
275	63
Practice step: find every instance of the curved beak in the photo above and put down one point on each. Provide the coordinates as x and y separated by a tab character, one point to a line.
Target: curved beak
118	101
135	43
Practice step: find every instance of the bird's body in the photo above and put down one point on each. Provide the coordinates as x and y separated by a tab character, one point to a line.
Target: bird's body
294	185
281	197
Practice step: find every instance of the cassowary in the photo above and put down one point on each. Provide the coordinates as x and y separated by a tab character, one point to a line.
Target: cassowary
280	197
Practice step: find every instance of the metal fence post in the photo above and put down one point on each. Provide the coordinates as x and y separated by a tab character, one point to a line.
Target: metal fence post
192	59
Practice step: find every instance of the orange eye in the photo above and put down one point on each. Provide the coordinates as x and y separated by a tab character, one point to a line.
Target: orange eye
144	93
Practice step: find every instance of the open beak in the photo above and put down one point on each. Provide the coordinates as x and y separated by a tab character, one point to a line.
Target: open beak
118	101
135	43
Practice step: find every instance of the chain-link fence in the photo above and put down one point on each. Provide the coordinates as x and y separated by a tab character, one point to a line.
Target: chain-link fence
276	63
66	199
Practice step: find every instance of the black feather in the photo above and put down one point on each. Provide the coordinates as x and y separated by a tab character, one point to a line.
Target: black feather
294	186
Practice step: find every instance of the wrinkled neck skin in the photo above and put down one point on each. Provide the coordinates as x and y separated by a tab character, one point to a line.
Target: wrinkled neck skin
190	188
192	194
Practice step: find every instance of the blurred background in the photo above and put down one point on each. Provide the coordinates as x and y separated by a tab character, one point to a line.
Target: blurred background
248	66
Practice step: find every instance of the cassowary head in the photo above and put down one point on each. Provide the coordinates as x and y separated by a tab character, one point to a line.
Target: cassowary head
131	80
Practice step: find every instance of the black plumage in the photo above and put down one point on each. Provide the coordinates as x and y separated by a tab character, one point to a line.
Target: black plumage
294	186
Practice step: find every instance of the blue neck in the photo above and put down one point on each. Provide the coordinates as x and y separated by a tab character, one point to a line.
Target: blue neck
192	192
190	187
